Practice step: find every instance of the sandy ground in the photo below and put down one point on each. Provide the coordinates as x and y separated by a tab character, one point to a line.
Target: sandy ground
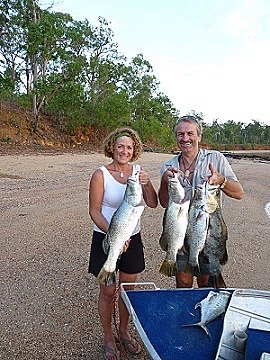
47	299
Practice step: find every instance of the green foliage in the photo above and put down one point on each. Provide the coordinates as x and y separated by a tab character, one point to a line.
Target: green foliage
5	93
69	103
154	132
25	100
113	111
230	133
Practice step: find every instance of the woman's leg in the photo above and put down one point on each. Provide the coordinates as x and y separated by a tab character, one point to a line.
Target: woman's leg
123	312
106	301
129	342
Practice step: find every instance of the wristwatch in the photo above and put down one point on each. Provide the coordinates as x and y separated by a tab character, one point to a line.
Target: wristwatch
222	186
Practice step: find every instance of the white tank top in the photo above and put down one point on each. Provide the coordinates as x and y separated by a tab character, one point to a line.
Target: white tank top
113	196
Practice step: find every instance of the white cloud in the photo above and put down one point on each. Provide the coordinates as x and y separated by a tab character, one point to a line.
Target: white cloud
236	88
245	21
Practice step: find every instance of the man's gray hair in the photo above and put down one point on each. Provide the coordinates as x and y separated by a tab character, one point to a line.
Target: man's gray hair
193	120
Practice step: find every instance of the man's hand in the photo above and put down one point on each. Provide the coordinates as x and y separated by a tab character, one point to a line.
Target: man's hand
169	173
215	178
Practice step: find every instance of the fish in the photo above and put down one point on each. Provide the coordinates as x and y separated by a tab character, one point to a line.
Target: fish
215	251
121	227
214	305
202	205
175	220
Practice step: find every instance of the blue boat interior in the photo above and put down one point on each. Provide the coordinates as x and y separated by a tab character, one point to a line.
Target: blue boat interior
258	342
162	313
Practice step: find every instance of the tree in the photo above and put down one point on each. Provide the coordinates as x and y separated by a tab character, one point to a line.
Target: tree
32	49
73	70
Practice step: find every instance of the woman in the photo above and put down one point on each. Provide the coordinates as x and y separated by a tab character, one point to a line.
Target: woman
106	192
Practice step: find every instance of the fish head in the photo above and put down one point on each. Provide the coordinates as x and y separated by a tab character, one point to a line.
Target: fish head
207	196
213	191
212	201
219	298
226	294
133	193
214	304
176	191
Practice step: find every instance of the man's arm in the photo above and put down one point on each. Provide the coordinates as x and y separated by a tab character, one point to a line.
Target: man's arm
230	187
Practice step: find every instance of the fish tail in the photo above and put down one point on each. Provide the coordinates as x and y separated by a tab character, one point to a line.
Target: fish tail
168	268
192	270
224	259
216	281
219	282
106	244
201	326
106	278
163	242
206	330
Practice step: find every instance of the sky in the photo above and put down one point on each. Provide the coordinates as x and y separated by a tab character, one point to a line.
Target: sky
210	56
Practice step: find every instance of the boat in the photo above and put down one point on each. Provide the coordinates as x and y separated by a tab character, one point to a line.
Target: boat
242	333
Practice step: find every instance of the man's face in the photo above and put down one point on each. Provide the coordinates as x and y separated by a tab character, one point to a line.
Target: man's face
187	137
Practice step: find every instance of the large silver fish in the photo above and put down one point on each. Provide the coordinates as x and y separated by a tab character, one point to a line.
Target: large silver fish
215	250
122	225
214	305
198	220
174	226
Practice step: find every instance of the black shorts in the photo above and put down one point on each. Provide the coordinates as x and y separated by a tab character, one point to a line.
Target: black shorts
131	262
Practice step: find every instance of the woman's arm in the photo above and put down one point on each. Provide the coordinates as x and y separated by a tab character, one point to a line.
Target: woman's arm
96	192
149	193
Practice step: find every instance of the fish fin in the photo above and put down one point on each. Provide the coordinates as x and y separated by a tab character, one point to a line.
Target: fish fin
201	326
168	268
224	259
163	243
192	270
219	282
188	269
198	304
216	281
206	330
199	216
106	278
185	325
205	259
106	244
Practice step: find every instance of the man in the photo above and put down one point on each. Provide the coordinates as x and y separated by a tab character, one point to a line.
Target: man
195	165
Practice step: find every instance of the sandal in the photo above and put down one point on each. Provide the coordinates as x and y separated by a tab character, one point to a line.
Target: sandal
110	354
131	345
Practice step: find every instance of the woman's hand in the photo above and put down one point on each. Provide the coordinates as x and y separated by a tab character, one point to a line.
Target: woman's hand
149	193
126	245
143	177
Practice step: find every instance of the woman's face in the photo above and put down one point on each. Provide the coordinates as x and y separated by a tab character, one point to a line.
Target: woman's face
123	150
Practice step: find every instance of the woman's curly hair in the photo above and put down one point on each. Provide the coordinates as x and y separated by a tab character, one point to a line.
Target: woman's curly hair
109	142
